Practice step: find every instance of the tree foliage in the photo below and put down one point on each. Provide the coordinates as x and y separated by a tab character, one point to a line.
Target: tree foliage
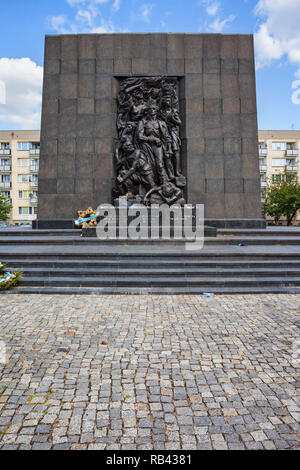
5	208
282	198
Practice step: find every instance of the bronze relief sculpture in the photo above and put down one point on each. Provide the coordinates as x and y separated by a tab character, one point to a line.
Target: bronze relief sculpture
148	152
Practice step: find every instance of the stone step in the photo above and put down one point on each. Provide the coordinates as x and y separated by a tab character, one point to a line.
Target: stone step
153	290
135	263
159	281
276	232
40	233
210	241
171	272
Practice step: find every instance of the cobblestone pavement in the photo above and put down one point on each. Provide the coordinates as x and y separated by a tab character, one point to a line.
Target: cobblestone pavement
150	372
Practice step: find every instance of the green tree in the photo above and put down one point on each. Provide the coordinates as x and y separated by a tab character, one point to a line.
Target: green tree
5	208
282	198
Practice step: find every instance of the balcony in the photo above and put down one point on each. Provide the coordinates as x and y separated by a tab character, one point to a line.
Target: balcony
33	201
292	153
34	184
292	168
4	151
263	152
34	168
263	184
5	185
5	168
262	168
33	152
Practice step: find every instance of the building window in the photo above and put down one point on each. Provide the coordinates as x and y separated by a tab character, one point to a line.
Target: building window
291	146
276	178
279	146
4	146
25	210
23	162
24	178
27	194
28	145
278	161
5	194
5	178
262	145
4	161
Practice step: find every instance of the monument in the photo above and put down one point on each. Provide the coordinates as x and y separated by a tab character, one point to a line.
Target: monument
161	118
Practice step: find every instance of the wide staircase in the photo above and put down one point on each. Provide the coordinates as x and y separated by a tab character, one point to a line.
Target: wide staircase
62	261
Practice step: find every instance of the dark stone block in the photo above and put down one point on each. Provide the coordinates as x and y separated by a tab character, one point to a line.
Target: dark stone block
246	66
104	106
103	145
69	47
51	86
175	67
49	147
215	185
248	106
140	46
69	66
195	106
85	145
55	224
68	106
64	206
230	66
247	85
105	66
249	125
212	106
103	125
229	46
232	145
211	66
193	65
231	125
195	127
214	146
103	86
86	106
211	46
52	48
83	185
122	46
196	145
123	66
158	46
158	66
68	86
213	126
47	186
84	164
66	145
103	166
87	46
87	66
250	164
47	205
214	166
252	206
252	185
140	66
86	86
175	46
230	86
211	86
234	185
194	86
67	125
50	106
105	46
49	126
65	185
52	67
231	105
66	165
193	46
214	205
246	47
234	206
85	125
48	168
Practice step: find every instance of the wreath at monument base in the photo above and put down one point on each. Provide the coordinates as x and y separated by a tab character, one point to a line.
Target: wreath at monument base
87	218
8	280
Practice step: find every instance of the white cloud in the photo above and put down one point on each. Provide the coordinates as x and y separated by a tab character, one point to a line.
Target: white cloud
278	34
146	9
23	80
87	18
213	8
218	25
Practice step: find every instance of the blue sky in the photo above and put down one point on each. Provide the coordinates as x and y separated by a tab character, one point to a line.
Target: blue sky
275	24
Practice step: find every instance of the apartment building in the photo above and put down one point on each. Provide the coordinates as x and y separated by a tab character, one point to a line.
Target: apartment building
19	166
278	151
